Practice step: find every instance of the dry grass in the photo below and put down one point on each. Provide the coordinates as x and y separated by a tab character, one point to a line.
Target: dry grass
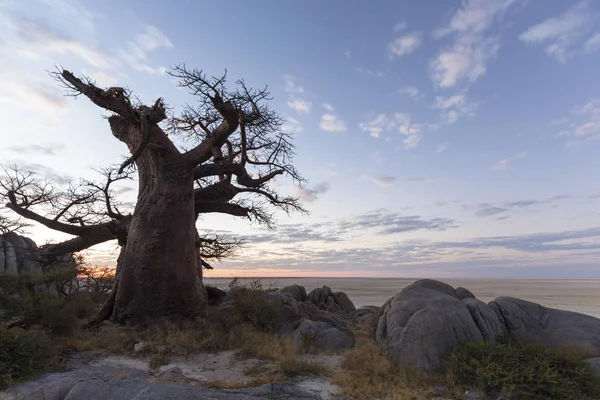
259	381
368	374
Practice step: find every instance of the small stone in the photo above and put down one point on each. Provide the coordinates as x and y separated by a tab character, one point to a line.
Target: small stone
173	374
439	391
475	395
138	346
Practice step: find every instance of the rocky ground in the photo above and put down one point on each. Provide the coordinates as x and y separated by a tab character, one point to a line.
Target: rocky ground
417	328
123	378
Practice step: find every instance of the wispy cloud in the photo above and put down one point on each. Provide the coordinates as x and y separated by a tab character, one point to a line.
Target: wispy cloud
400	26
404	45
48	149
137	51
332	123
563	33
300	105
441	148
472	46
505	164
510	208
371	73
410	131
311	195
34	95
412	92
291	86
454	107
584	123
383	181
292	125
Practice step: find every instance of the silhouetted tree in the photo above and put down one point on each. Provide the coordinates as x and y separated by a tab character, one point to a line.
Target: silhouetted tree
238	147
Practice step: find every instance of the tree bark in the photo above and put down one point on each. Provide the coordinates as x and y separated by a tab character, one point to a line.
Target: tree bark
158	274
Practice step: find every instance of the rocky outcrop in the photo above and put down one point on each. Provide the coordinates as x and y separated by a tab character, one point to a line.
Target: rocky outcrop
325	299
19	254
297	292
548	326
420	325
321	336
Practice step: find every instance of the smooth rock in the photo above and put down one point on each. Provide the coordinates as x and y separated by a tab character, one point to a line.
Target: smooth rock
487	321
419	326
173	374
344	302
463	293
297	292
550	327
321	335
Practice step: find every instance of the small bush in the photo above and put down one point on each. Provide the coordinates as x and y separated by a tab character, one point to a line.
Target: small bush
525	369
253	305
24	354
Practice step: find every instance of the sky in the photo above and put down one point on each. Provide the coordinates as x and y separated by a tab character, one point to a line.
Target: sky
454	138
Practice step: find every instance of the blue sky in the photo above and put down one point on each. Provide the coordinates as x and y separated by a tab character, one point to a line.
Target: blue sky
441	138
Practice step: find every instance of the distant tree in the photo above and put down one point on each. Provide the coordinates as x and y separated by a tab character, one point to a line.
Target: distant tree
238	147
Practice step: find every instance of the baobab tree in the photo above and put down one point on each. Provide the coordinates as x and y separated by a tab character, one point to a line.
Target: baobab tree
238	148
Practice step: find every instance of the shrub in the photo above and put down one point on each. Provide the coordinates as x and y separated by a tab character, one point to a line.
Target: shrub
24	354
525	369
253	305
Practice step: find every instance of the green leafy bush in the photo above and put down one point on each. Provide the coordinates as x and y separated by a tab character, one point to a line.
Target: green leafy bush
523	368
24	354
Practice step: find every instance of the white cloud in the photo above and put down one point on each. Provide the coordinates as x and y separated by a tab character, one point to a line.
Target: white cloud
311	195
471	49
593	43
378	124
382	181
400	121
347	53
410	131
152	39
33	96
454	107
400	26
585	124
503	165
291	86
332	123
328	107
371	73
299	105
441	148
412	92
292	125
563	32
137	51
36	40
404	45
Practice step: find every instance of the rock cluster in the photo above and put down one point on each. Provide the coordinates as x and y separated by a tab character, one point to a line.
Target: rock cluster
319	318
420	325
17	254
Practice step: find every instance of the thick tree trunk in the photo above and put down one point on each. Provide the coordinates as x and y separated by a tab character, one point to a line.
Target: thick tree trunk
158	271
